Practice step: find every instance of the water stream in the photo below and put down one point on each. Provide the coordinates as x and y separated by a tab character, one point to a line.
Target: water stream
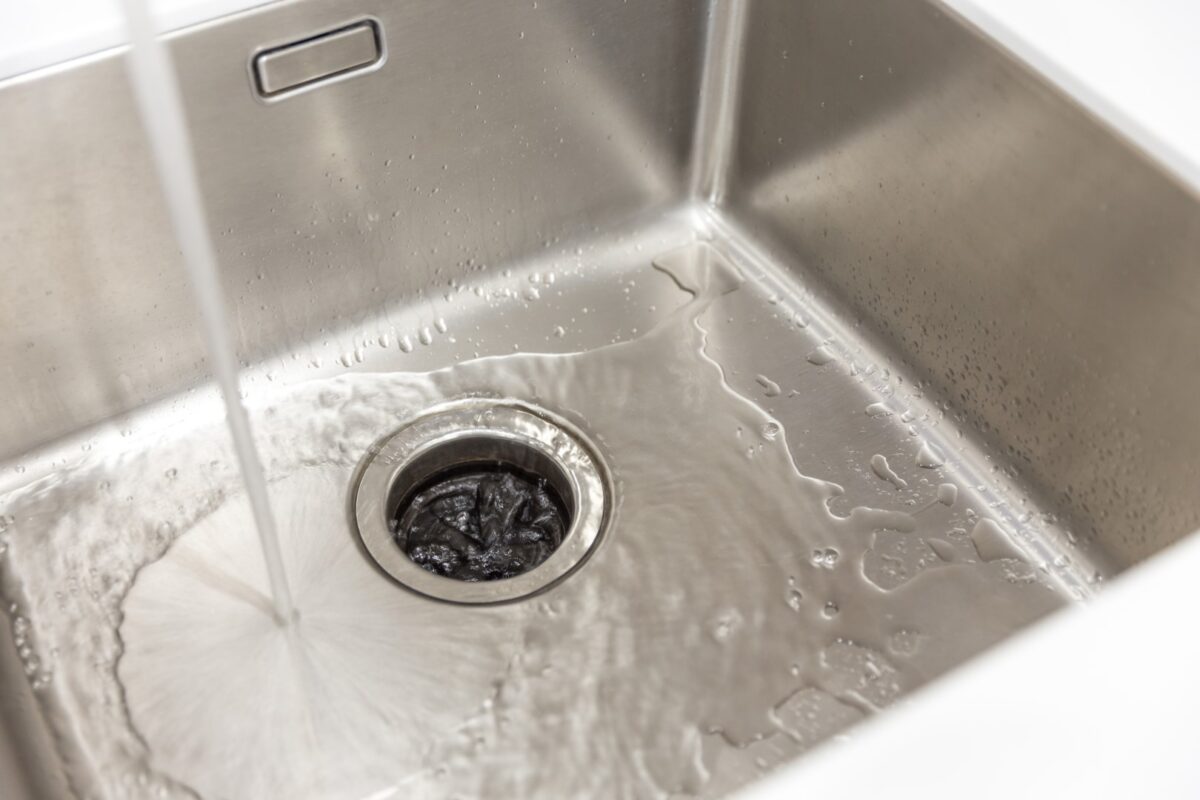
161	110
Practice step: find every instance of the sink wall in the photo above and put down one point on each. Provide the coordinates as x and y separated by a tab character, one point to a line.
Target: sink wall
493	130
1029	267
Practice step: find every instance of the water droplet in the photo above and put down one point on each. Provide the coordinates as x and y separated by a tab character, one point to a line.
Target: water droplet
878	410
947	494
821	356
929	457
942	549
883	471
770	387
991	542
725	625
825	558
905	642
795	600
770	431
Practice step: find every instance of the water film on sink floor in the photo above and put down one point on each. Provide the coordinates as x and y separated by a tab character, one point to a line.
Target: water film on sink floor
798	538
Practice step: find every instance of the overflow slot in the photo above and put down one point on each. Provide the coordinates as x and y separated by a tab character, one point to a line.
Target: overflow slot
298	66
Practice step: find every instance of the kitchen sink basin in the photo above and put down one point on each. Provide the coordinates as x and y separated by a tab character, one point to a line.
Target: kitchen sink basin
847	344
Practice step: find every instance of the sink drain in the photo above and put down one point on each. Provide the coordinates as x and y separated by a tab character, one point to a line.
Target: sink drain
481	502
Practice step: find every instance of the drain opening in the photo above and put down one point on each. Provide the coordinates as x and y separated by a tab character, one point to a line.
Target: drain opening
481	509
481	501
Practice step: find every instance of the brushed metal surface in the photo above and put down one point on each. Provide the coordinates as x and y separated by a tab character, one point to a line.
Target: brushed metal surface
96	314
1027	265
494	130
990	266
319	59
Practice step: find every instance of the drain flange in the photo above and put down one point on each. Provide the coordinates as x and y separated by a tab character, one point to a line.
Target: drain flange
481	501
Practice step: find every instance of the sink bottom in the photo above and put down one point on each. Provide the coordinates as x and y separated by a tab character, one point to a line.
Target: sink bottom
797	538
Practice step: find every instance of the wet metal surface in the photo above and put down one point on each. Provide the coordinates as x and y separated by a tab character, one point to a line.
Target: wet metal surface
863	327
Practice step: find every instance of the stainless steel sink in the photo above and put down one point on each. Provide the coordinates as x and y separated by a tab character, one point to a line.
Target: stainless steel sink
886	346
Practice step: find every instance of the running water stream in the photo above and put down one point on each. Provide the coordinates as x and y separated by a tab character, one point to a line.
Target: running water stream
162	114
